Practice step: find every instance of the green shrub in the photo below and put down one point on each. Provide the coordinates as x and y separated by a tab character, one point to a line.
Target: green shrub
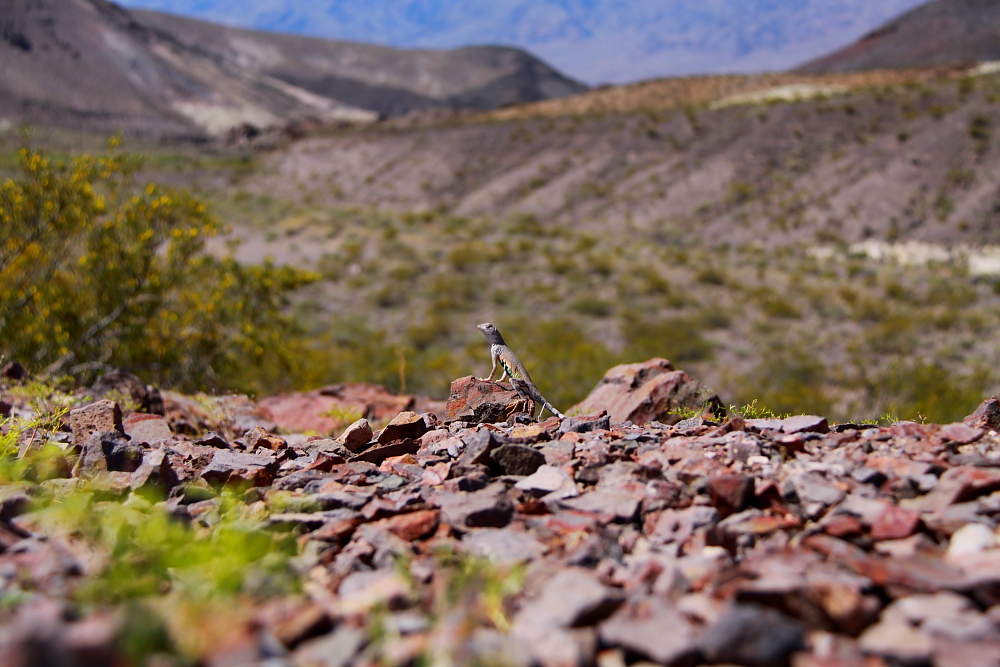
96	272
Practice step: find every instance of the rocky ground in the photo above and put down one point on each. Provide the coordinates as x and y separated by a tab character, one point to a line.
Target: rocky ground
621	536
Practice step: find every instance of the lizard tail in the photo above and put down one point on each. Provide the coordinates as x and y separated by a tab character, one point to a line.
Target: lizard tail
548	406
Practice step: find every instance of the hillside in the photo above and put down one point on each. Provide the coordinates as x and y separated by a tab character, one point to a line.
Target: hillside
942	32
388	81
607	41
89	65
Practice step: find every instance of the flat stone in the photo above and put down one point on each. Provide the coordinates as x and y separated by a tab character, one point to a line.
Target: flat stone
551	481
571	598
478	446
100	417
518	460
753	636
971	539
654	628
488	508
805	424
618	505
960	434
503	545
896	641
812	487
586	424
147	429
377	455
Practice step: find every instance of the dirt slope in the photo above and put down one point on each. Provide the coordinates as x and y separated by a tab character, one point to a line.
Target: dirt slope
938	33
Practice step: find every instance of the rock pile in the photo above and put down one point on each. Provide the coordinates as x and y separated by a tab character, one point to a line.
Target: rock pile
741	542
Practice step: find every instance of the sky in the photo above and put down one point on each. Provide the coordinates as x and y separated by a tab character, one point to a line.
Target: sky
594	41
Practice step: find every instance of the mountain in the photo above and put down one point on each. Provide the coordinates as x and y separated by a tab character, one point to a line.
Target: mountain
938	33
90	64
386	80
596	41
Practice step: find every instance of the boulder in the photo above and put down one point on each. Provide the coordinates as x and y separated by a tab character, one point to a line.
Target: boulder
652	390
987	415
100	417
479	402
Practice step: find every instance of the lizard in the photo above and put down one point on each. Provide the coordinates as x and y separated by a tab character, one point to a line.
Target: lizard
501	354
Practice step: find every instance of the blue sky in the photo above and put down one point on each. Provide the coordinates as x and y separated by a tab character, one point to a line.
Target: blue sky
596	41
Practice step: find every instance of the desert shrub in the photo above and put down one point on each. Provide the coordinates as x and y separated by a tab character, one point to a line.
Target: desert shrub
678	339
926	390
97	272
789	380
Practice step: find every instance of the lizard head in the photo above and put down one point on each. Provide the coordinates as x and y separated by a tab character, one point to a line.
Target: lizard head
492	333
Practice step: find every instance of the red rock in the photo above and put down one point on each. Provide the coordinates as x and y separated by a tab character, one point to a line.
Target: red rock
644	392
895	523
987	415
479	402
258	437
229	468
956	485
377	455
730	493
357	435
411	526
102	416
404	425
842	525
147	429
488	508
960	434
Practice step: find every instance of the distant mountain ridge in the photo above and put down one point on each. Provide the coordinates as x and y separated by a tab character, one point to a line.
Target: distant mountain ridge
597	41
938	33
91	64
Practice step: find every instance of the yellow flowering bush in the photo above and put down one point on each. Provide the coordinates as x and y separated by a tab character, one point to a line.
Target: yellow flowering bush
96	272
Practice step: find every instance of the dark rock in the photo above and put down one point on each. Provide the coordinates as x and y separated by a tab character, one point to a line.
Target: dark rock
109	451
585	424
102	416
488	508
405	425
233	468
478	446
5	409
13	370
155	472
987	415
641	393
377	455
730	493
212	439
753	636
479	402
518	459
655	628
122	384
